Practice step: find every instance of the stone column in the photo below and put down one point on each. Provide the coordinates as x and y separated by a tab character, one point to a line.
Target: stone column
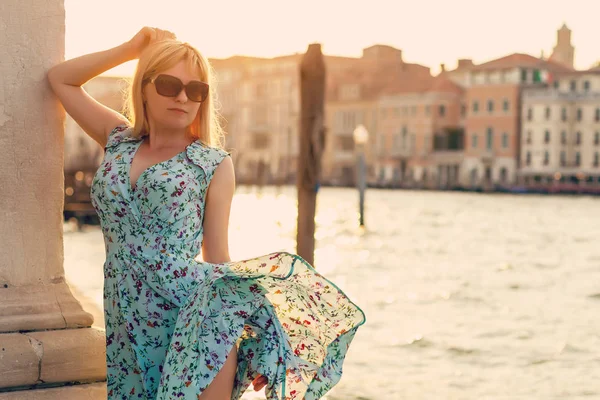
45	335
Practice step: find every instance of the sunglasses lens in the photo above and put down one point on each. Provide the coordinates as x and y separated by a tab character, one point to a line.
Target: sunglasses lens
197	91
168	85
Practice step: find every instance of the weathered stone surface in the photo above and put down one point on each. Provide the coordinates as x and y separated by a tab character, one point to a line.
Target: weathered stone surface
68	355
31	143
19	360
93	391
72	355
39	307
33	292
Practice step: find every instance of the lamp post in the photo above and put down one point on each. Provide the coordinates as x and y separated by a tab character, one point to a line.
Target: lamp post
361	135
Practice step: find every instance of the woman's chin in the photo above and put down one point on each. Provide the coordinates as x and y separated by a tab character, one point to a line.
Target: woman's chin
176	123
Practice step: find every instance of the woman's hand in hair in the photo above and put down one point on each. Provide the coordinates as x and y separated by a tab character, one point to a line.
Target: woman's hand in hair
146	36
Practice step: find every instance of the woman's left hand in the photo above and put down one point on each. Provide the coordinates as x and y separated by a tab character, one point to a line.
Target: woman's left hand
259	382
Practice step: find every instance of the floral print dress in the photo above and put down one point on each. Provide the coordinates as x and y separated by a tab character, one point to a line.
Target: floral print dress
171	319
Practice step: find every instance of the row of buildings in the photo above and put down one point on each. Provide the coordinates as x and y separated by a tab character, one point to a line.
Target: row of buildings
516	121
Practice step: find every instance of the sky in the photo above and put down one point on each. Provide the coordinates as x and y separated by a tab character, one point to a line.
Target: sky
429	32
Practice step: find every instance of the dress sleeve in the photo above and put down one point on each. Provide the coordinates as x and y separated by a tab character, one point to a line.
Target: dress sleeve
116	135
208	158
217	156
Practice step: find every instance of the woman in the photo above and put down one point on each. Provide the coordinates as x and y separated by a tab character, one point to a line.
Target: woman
177	327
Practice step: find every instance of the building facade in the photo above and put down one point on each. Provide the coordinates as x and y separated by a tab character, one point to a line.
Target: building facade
421	127
493	120
506	122
353	95
561	131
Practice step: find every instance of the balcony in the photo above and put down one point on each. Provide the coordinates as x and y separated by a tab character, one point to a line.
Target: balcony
447	156
487	155
554	94
399	152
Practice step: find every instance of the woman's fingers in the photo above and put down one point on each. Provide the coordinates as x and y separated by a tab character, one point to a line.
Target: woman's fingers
259	382
161	34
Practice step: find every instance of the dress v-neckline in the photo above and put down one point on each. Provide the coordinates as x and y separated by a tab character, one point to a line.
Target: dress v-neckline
131	188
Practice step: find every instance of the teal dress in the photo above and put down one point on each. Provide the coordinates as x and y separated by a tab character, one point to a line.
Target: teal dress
171	319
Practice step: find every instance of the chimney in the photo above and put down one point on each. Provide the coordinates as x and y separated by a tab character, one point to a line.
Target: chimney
465	62
443	67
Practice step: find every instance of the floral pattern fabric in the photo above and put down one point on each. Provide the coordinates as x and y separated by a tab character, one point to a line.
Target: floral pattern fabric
171	319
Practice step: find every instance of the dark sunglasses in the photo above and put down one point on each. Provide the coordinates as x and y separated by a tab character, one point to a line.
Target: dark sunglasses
170	86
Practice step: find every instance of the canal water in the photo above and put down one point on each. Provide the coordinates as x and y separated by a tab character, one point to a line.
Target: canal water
467	296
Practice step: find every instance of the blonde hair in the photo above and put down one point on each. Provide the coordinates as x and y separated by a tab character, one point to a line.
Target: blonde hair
159	57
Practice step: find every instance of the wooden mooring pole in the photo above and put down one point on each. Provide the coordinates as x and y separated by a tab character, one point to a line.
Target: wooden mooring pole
312	143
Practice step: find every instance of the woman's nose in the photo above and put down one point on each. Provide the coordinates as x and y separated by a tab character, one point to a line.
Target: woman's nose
182	96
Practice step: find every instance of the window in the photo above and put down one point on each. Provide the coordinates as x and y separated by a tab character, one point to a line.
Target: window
463	110
345	143
347	120
528	138
396	141
260	115
597	138
475	106
586	86
563	137
546	158
556	84
578	138
573	86
404	133
579	114
505	140
547	136
489	138
547	113
563	158
596	159
380	142
261	90
597	115
528	158
523	75
577	159
505	105
260	141
563	114
490	106
442	110
474	141
529	114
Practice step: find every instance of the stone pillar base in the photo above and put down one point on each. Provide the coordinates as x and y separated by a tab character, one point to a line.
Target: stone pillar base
35	359
38	307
